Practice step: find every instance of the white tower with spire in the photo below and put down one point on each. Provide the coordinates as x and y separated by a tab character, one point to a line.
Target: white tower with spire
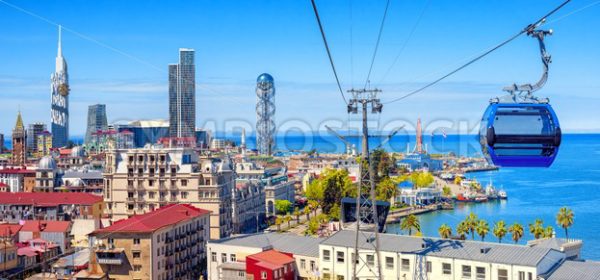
60	99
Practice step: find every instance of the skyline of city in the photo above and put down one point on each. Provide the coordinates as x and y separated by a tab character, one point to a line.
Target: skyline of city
225	80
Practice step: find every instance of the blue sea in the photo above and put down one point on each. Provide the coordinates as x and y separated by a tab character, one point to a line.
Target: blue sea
572	181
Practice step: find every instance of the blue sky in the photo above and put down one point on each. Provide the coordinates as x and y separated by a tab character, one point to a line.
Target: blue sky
235	41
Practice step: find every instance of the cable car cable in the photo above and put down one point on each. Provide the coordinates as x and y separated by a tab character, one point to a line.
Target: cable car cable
528	28
410	34
387	5
328	51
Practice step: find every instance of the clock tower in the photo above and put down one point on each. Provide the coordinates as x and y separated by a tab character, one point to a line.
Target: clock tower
60	99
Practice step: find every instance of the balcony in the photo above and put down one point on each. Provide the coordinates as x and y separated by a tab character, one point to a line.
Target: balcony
110	256
130	198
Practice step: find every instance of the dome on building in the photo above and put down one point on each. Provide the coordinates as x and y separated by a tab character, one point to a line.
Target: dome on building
77	151
265	78
47	163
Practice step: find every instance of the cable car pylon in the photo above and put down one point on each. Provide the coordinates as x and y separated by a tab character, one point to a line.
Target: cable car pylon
366	262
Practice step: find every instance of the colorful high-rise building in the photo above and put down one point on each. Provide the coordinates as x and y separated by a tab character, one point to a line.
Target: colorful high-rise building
96	121
60	99
182	96
19	149
44	144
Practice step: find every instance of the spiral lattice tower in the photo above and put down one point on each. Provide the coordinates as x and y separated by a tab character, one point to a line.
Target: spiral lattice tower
265	114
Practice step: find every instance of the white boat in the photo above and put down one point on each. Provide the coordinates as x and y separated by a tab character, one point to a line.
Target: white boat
502	194
490	191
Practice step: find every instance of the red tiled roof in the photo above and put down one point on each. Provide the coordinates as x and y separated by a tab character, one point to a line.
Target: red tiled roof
272	257
49	199
7	230
27	251
46	226
65	152
152	221
17	171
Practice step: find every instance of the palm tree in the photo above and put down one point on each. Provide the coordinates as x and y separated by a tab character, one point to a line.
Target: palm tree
537	228
517	231
549	232
445	231
288	219
409	223
500	230
482	229
297	213
306	211
471	222
462	229
278	222
314	205
564	219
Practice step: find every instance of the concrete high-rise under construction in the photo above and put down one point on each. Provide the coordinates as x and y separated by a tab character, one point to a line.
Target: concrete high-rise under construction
265	114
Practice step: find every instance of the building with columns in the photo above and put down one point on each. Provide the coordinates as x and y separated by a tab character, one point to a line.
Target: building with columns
141	180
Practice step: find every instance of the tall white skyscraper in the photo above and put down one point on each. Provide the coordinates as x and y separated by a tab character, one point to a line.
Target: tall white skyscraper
60	99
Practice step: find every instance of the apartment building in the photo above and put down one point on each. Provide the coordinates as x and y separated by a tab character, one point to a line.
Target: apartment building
405	257
248	207
167	243
62	206
142	180
227	257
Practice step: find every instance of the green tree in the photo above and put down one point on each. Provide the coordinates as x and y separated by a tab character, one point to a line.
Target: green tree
471	222
335	212
421	179
549	232
313	226
500	230
537	228
447	191
288	219
334	183
282	206
382	164
306	211
386	189
409	223
313	205
445	231
314	191
565	219
517	232
278	222
482	229
462	229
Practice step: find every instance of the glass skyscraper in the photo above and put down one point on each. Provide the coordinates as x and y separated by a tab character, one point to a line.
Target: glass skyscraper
60	100
182	96
96	121
33	130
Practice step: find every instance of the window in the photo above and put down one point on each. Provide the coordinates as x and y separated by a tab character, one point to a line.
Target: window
313	266
371	260
111	241
241	273
480	273
223	258
521	275
136	255
466	271
502	274
529	276
137	267
446	268
184	194
136	241
263	275
184	183
232	257
326	256
405	264
428	267
389	262
303	263
213	257
340	257
340	277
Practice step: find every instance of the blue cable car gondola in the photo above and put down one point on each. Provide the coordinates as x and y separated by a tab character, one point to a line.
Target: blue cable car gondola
519	129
